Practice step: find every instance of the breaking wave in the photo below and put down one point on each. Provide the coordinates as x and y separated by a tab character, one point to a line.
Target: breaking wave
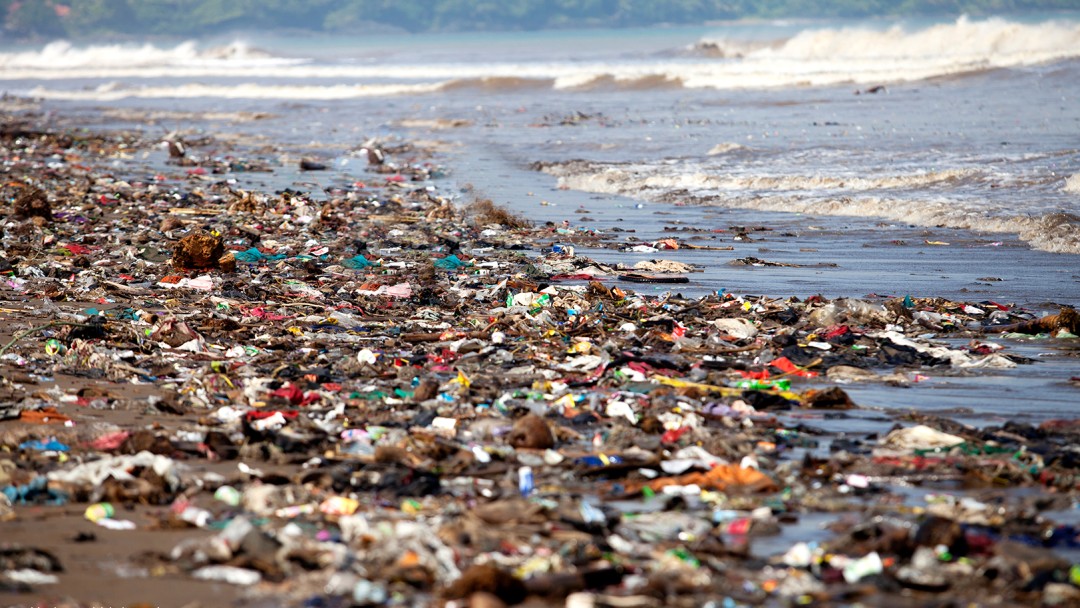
887	197
728	48
862	55
63	57
993	41
585	81
812	57
114	92
620	82
494	84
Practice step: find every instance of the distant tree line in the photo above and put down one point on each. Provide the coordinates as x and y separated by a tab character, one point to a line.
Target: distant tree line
118	18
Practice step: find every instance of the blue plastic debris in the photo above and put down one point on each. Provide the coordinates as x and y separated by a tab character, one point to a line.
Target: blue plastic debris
598	461
35	492
254	255
358	262
52	445
450	262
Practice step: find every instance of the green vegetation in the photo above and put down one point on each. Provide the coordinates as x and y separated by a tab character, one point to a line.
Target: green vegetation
94	18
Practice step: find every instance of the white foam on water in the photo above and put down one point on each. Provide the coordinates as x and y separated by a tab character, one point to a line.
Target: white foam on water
725	148
1072	184
63	57
995	41
829	195
114	91
815	57
620	180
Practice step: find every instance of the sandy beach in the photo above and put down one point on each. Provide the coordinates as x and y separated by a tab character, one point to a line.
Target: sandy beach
376	388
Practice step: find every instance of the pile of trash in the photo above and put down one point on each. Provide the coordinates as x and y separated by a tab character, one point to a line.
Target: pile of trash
373	396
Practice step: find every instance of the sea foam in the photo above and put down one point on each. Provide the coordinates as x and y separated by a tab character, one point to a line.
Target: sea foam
913	198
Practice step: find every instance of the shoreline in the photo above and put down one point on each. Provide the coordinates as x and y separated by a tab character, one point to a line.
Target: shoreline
801	254
404	406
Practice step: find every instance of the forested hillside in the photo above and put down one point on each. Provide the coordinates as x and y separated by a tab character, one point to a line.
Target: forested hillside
96	18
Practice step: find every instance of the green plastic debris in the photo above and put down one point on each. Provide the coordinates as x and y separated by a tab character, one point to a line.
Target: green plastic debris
764	385
685	556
